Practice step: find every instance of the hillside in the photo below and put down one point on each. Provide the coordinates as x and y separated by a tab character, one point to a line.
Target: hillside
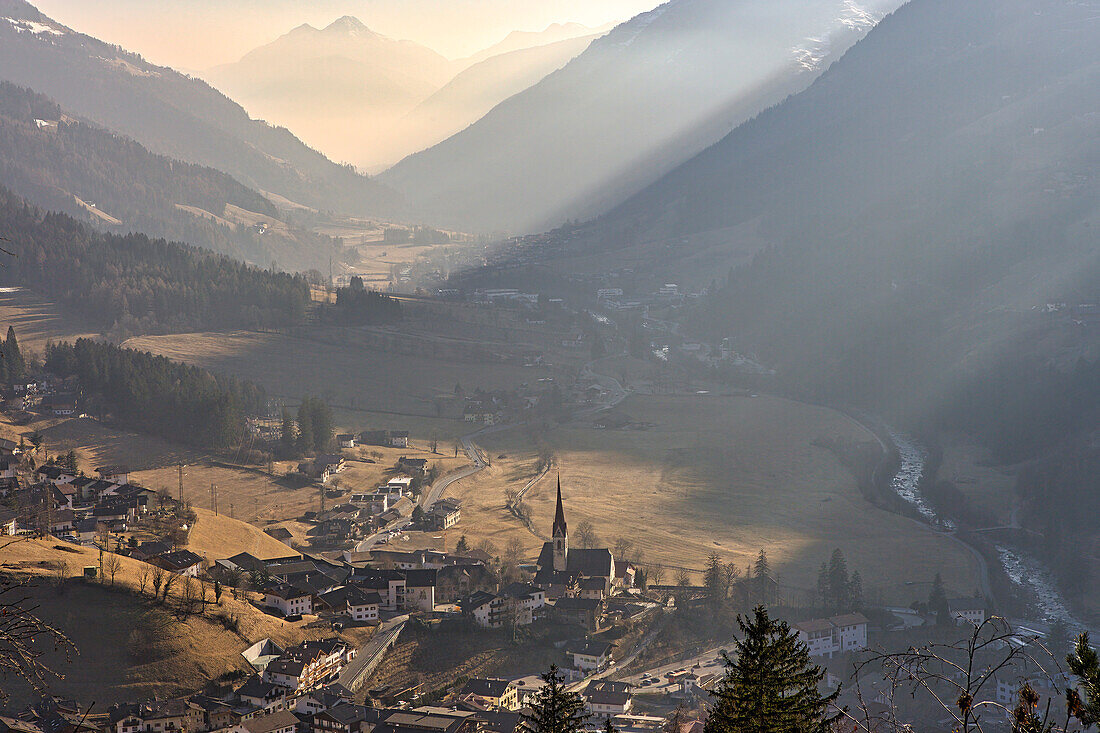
173	114
479	88
145	651
117	185
638	101
520	40
340	87
132	284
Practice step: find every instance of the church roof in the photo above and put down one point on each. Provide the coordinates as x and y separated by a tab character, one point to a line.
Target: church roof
586	563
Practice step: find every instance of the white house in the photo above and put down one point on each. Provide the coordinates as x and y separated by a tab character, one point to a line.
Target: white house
399	438
607	699
590	655
289	600
969	610
829	636
363	606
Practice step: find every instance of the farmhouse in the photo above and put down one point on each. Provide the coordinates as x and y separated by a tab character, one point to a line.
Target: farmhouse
346	440
399	438
280	721
491	692
180	562
445	514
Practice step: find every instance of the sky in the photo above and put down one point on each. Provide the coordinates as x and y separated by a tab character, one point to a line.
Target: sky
194	35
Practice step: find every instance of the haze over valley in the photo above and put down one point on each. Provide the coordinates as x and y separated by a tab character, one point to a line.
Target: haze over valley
577	367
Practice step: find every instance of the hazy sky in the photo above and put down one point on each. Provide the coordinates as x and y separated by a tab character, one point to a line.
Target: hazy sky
198	34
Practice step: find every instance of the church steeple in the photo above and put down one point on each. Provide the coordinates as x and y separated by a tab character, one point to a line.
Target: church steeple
559	529
560	535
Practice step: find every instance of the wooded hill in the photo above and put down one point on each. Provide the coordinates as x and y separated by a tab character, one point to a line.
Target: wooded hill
133	284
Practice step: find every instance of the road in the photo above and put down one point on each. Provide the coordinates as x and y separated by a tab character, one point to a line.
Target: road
708	662
370	654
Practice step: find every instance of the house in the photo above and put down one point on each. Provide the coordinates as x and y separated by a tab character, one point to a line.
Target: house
280	721
428	720
180	562
343	718
420	590
9	521
826	637
969	610
309	665
114	474
492	692
346	440
400	485
517	604
414	466
323	467
445	514
606	699
8	468
590	655
280	533
149	549
62	405
171	715
259	693
288	599
324	698
586	612
359	604
9	447
595	588
399	439
54	474
527	688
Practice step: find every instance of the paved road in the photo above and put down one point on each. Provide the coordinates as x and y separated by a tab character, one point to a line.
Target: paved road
370	654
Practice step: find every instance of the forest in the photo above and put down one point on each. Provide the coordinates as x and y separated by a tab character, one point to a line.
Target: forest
153	394
130	285
356	305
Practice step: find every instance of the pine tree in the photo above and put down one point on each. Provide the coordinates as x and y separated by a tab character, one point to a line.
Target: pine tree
1084	664
761	568
855	592
13	357
714	580
304	441
555	709
838	581
823	585
287	435
770	686
937	602
462	547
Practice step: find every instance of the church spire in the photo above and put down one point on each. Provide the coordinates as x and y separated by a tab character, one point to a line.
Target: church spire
559	529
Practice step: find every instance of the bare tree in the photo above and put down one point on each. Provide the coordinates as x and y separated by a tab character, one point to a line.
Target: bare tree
156	580
962	679
586	535
185	607
60	573
170	579
111	566
144	576
623	547
683	578
656	574
24	637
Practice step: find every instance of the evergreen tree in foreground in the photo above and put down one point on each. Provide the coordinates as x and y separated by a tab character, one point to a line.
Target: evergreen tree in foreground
770	685
555	709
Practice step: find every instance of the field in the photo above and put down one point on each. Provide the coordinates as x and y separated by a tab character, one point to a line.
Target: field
716	474
386	390
36	321
143	651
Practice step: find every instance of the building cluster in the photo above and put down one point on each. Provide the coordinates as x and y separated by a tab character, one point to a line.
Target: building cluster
66	503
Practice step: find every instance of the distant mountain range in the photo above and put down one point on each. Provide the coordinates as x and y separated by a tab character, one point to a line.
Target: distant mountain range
347	89
479	88
645	97
903	231
175	115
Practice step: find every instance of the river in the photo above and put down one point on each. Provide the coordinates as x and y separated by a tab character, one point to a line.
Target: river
1022	568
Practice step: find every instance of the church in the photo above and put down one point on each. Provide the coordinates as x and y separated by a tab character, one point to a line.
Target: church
587	572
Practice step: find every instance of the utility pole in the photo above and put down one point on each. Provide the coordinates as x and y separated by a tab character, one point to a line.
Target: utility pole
232	515
214	498
322	497
179	469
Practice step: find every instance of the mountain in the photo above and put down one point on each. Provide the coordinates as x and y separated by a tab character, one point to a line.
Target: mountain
475	91
117	185
645	97
174	115
915	233
340	87
519	40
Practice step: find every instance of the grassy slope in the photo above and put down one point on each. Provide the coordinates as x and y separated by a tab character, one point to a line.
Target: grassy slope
718	474
129	647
